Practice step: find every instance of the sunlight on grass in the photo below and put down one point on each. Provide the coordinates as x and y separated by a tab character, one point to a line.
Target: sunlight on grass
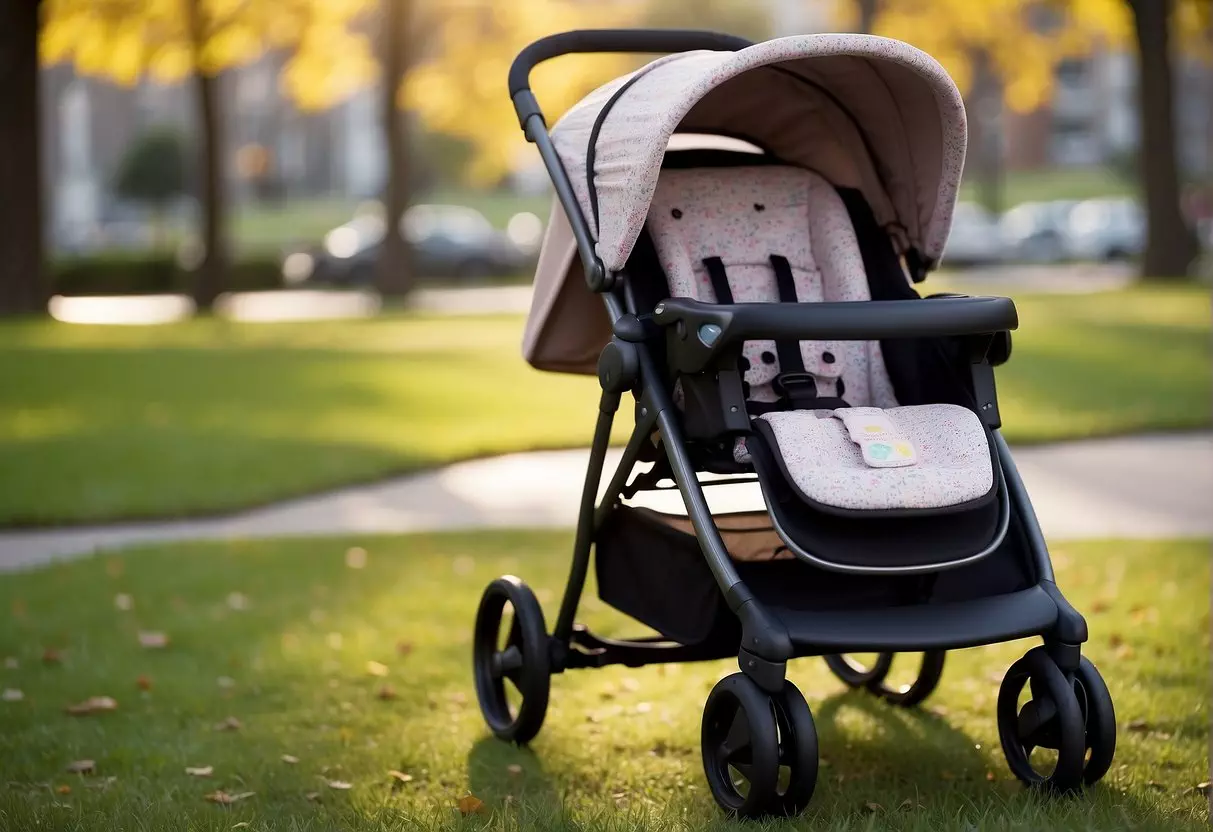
118	422
288	658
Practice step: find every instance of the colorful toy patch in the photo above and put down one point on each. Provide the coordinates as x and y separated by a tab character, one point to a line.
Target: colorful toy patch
879	440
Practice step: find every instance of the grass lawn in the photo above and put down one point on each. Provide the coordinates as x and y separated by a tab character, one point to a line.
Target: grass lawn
1047	185
111	422
279	636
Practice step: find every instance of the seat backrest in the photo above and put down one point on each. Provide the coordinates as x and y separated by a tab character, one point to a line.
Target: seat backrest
746	215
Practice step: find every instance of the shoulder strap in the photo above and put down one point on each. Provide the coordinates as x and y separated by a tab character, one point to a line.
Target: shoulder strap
720	280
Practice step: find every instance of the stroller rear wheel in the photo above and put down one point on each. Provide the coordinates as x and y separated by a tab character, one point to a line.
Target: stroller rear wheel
873	677
511	663
1064	719
759	751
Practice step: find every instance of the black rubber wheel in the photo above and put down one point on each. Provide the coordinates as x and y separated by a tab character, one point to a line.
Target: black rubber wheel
798	758
519	661
1099	717
739	742
1051	719
873	678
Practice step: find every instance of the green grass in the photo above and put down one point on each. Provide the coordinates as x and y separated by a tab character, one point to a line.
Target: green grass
117	422
267	228
1048	185
291	664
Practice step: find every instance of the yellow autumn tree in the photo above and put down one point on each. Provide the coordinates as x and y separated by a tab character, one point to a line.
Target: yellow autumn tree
176	40
458	84
1009	49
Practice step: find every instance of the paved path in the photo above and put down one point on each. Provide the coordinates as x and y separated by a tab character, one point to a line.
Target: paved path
1136	487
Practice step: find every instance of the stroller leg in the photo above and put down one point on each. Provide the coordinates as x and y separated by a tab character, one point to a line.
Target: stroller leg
563	632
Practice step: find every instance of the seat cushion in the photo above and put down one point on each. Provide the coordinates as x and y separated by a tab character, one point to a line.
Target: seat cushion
827	470
743	216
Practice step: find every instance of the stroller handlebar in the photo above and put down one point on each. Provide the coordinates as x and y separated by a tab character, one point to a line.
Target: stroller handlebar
608	40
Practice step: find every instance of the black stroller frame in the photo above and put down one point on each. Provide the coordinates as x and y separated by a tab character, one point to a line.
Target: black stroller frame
701	337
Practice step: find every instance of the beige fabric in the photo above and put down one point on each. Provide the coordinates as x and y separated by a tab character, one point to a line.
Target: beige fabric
782	95
748	536
953	466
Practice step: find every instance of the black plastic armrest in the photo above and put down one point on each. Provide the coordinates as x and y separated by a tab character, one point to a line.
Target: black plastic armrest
699	332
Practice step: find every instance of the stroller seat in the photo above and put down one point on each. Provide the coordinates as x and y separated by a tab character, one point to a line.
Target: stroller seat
783	235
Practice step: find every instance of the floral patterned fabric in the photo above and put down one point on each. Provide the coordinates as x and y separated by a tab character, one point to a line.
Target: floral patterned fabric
953	467
745	215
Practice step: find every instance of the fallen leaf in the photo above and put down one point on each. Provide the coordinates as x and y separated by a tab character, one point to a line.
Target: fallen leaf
52	656
376	669
400	776
152	639
244	824
226	682
103	783
334	640
458	697
469	804
1202	788
339	785
229	724
989	776
355	557
64	789
143	683
1115	640
11	663
93	705
237	601
386	692
225	799
12	695
199	771
630	684
403	648
123	601
290	758
312	796
1099	605
906	805
514	769
81	767
643	707
1139	726
873	808
1154	784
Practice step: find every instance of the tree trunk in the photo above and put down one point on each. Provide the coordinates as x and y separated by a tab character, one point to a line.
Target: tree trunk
1171	246
985	136
867	15
212	272
393	275
22	287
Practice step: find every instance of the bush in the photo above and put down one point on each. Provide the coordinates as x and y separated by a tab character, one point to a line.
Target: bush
153	274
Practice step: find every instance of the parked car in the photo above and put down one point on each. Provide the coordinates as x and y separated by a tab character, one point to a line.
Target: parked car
974	239
1038	232
445	240
1107	229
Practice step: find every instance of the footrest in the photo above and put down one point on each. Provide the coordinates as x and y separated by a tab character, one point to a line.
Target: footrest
924	627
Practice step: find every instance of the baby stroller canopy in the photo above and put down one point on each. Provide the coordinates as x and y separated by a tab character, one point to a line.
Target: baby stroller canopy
867	113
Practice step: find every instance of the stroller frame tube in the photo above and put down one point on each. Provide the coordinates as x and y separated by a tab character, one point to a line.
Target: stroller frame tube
766	643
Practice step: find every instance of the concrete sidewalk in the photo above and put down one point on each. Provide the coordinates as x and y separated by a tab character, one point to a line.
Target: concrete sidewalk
1133	487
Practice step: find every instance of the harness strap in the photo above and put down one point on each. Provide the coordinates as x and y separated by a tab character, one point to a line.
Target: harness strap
720	280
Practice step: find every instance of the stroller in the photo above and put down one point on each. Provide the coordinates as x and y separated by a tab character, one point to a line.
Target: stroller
735	243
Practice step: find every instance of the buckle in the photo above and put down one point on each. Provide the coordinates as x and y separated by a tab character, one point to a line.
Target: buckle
791	385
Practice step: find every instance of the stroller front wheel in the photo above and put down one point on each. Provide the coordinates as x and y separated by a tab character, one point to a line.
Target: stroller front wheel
511	664
1051	719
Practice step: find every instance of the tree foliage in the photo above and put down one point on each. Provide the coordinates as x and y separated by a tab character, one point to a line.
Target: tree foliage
457	86
125	40
154	168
